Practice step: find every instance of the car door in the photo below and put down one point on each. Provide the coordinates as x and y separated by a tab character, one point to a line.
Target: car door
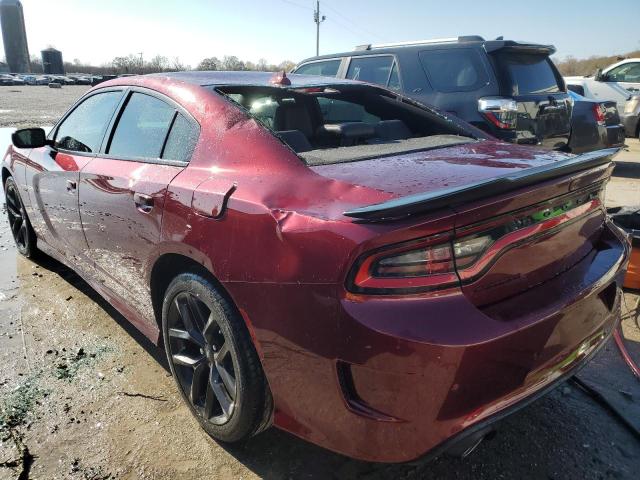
122	191
53	172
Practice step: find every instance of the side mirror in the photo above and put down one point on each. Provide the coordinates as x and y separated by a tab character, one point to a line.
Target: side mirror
29	138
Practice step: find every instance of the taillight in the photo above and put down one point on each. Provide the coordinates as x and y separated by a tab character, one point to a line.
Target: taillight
501	112
416	266
445	261
599	113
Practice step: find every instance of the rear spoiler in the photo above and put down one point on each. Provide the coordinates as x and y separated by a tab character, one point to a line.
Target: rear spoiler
492	46
427	202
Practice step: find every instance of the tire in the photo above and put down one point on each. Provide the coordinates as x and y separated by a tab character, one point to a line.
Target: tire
21	229
213	360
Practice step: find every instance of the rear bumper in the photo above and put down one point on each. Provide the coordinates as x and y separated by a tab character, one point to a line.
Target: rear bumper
615	135
630	123
417	375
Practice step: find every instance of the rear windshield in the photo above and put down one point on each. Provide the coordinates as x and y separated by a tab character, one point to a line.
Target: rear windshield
345	123
524	74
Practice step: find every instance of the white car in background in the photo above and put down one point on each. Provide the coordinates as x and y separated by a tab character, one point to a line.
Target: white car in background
619	82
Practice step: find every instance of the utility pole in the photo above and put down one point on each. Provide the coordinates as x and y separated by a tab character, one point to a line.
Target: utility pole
318	20
141	62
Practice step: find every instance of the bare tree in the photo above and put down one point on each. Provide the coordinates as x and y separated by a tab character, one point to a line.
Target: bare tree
210	63
231	62
159	63
588	66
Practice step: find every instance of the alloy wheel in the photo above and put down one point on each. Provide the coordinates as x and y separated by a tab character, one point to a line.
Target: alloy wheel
203	361
17	217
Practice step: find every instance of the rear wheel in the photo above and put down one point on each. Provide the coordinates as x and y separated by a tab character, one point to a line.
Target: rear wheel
21	229
213	360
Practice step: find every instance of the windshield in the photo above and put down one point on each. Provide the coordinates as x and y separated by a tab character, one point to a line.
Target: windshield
524	74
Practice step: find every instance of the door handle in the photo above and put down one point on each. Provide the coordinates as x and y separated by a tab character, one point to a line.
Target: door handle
72	186
144	203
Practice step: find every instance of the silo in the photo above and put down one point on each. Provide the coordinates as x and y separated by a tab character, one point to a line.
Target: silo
14	36
52	61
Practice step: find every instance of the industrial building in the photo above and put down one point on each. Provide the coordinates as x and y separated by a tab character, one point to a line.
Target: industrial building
52	61
14	36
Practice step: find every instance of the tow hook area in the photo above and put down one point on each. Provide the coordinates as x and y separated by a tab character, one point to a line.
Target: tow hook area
469	443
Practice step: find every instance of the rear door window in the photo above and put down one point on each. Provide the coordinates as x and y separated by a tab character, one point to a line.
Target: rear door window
84	128
454	70
142	127
181	140
524	74
371	69
326	68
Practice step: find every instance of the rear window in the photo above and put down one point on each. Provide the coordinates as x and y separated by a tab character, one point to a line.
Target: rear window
453	70
327	68
344	123
524	74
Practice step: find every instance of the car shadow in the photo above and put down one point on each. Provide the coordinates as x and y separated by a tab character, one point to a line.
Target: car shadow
627	170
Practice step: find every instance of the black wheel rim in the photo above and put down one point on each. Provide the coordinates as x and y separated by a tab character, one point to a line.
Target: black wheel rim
17	217
202	360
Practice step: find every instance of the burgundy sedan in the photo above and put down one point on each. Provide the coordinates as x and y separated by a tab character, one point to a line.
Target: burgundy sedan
326	256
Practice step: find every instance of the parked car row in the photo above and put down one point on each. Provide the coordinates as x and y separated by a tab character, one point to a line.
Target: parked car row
511	90
19	79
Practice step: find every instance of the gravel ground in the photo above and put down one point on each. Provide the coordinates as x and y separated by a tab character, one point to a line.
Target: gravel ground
84	396
36	105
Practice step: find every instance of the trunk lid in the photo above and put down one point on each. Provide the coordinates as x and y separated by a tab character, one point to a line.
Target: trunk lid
414	173
522	216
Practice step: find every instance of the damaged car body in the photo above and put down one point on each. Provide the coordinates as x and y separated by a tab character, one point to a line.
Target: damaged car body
326	256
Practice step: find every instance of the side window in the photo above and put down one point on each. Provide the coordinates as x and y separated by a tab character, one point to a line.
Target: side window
328	68
181	140
629	72
142	127
84	128
453	70
394	79
341	111
370	69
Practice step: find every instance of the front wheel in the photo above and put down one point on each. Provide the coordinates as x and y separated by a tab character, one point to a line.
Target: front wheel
213	360
21	229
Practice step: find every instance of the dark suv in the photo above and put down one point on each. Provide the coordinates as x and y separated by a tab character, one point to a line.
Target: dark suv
509	89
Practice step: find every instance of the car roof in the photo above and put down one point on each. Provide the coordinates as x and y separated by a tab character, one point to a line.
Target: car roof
264	79
462	42
621	62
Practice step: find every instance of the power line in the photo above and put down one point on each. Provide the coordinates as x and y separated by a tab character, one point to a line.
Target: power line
354	24
296	4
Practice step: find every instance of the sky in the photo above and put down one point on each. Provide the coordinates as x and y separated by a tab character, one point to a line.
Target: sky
97	31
